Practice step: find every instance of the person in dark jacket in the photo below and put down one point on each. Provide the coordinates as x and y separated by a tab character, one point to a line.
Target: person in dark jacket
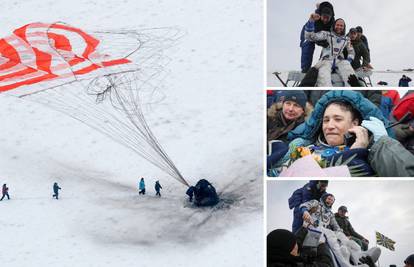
404	81
56	189
346	226
190	193
158	187
326	14
5	192
291	115
361	52
283	251
205	194
362	37
310	191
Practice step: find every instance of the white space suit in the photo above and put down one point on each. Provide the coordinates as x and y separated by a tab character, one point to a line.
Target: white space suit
331	55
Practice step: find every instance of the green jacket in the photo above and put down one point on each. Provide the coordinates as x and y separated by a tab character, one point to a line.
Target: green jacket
360	52
278	127
346	226
389	158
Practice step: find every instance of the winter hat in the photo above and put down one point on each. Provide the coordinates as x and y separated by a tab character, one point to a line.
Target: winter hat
297	96
326	11
359	29
408	260
280	242
343	208
352	30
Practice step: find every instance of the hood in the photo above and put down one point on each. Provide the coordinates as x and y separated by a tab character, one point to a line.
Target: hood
310	129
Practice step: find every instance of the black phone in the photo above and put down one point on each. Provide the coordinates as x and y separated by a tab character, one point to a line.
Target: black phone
349	139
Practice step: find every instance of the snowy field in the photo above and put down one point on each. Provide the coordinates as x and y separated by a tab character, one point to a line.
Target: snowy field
209	122
392	78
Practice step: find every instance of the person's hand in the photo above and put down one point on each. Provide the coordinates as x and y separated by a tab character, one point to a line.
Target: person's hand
314	17
306	217
367	260
362	139
376	127
369	66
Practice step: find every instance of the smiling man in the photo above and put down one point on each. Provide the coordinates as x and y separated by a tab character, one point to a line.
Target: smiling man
286	119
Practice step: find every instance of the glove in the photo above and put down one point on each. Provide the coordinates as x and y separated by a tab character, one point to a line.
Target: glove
350	60
376	127
368	261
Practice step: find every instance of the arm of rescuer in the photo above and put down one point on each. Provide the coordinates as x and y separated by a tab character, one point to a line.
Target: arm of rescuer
310	34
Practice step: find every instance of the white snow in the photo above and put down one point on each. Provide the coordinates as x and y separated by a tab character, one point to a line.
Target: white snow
391	77
210	124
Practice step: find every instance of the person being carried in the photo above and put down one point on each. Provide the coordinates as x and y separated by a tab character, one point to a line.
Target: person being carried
56	189
5	192
332	57
158	187
346	226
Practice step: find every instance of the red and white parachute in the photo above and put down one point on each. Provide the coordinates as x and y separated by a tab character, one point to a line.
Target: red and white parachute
39	52
92	78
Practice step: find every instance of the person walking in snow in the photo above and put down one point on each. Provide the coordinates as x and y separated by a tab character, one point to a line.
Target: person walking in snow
332	56
157	188
141	186
5	192
56	189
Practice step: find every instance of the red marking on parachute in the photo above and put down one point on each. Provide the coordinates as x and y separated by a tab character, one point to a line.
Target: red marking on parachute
60	42
9	52
38	51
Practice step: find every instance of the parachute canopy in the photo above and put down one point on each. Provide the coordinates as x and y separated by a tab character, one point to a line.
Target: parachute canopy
92	79
39	52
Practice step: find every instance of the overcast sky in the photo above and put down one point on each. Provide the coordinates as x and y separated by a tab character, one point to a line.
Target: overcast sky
388	26
383	206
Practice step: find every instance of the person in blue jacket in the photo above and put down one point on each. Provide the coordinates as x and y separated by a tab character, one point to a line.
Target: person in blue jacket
56	189
310	191
141	186
326	13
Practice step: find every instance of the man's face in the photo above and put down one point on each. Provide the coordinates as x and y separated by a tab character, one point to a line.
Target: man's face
292	110
353	35
329	201
359	34
408	265
341	213
339	26
325	18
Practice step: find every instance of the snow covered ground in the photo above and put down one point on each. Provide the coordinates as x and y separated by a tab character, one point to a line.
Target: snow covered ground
392	78
210	124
